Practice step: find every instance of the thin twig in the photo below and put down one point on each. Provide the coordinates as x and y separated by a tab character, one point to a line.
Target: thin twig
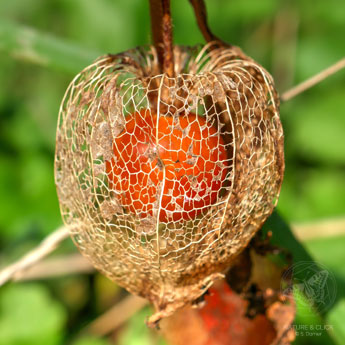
200	12
57	266
319	229
286	96
116	316
48	245
162	36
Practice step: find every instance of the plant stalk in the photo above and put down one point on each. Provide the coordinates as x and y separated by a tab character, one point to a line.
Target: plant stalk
200	12
162	34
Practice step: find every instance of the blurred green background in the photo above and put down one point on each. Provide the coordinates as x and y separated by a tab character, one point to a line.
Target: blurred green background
43	44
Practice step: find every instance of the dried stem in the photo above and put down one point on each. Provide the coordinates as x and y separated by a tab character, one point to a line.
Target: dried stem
47	246
116	316
162	36
57	266
295	91
319	229
201	18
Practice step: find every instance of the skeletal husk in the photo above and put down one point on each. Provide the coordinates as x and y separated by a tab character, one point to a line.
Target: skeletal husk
171	264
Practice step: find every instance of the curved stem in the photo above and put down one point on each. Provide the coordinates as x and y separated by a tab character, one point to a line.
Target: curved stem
201	18
48	245
162	35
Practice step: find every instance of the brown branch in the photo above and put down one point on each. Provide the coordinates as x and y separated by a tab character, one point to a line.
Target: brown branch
162	36
48	245
116	316
201	19
295	91
156	14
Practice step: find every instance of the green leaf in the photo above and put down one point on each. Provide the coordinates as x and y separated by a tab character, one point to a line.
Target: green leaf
30	316
336	319
310	328
330	252
283	237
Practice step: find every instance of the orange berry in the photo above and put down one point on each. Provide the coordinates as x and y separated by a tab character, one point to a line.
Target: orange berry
175	166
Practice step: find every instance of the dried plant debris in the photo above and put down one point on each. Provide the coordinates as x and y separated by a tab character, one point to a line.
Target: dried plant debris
222	321
254	312
164	181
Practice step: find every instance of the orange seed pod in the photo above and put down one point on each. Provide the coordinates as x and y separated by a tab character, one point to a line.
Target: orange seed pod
163	181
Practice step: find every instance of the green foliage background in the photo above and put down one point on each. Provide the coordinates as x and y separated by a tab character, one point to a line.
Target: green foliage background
44	43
